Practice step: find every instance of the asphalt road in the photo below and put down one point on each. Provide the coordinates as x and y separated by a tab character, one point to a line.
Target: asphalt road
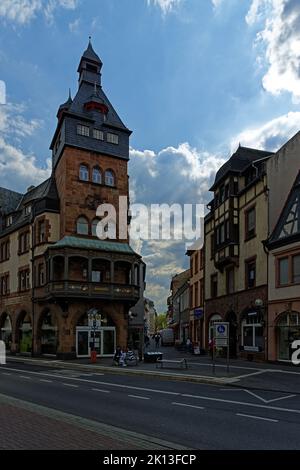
198	416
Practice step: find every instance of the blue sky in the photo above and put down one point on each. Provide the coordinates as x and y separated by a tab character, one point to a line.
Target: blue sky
191	78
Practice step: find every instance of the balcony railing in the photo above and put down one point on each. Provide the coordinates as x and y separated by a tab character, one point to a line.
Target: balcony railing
92	290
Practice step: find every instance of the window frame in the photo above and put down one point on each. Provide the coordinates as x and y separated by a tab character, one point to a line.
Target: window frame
248	262
87	168
97	169
81	130
99	132
250	233
112	138
112	175
86	223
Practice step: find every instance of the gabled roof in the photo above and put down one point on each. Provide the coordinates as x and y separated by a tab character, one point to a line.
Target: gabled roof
9	200
239	161
287	229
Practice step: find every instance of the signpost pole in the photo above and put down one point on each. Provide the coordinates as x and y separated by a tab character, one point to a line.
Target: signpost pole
228	357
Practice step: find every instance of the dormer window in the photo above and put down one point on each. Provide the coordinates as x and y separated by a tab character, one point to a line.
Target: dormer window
83	130
97	134
112	138
9	221
28	209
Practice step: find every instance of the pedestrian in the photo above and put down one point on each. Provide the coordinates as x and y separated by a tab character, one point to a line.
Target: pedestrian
211	345
117	356
156	339
188	345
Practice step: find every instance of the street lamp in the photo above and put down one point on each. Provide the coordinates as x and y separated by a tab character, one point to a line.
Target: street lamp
94	319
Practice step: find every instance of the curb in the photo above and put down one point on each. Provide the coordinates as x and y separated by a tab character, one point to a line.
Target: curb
118	371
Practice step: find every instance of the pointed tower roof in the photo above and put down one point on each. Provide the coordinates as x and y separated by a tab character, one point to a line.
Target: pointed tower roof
66	105
90	55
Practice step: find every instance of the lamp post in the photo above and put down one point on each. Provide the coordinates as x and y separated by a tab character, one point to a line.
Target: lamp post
94	319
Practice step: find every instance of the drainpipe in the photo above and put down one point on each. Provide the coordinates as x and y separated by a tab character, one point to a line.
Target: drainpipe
32	282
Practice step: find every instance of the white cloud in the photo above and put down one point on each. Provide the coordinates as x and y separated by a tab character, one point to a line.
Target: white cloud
74	26
217	3
271	135
166	6
17	169
279	40
23	11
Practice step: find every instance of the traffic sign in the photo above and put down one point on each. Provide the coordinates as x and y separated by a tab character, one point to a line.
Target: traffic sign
221	335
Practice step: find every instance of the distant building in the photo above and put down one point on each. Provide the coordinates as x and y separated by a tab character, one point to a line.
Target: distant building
178	305
196	316
150	315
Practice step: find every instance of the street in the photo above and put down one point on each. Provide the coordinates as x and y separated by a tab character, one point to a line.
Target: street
192	415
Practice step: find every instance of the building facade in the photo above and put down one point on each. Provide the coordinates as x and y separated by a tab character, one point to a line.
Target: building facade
178	305
54	268
235	258
283	246
196	315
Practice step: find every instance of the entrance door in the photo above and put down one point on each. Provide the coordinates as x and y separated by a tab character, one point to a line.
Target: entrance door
105	341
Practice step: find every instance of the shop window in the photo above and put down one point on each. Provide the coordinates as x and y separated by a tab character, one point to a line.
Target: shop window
252	334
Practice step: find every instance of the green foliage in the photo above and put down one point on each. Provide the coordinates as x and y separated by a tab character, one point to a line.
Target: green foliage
161	321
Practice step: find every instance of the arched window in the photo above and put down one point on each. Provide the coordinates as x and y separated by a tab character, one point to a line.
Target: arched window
97	178
109	178
82	226
83	173
94	227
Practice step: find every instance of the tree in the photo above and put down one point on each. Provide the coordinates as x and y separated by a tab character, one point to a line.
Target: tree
161	321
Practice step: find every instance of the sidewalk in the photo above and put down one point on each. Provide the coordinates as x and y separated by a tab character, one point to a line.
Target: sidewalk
245	374
28	426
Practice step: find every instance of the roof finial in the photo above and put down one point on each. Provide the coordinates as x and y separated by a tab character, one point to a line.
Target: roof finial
70	94
90	40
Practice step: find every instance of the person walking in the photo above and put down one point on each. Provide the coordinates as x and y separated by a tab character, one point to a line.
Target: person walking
156	339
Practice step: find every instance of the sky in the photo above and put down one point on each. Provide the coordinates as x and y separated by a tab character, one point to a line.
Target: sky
191	78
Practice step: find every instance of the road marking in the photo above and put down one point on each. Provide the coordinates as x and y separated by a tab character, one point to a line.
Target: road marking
257	417
25	377
234	402
99	390
250	375
189	406
70	385
268	401
47	381
140	398
6	373
131	387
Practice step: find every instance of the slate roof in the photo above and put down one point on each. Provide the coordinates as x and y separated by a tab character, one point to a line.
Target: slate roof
93	244
9	200
44	197
90	54
239	161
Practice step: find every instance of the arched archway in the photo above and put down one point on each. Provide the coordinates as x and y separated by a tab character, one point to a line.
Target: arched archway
24	332
47	332
6	330
288	330
231	318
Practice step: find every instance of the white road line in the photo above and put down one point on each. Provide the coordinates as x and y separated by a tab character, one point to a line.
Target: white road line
257	417
189	406
268	401
131	387
47	381
234	402
6	373
252	373
99	390
70	385
140	398
25	377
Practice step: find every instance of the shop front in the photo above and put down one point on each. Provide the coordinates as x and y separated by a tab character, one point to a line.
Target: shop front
287	331
101	337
